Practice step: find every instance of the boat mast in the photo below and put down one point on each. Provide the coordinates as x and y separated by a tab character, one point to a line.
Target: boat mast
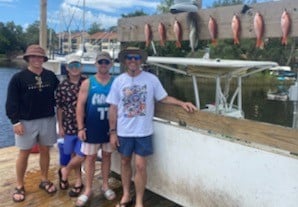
43	24
83	32
84	15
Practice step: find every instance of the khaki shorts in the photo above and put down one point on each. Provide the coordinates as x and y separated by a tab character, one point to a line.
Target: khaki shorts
91	149
41	131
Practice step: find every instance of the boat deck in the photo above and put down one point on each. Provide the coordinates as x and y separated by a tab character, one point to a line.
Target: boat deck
37	198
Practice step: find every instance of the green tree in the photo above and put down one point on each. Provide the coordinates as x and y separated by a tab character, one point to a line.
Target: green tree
11	39
134	14
113	28
32	33
95	27
164	6
3	40
220	3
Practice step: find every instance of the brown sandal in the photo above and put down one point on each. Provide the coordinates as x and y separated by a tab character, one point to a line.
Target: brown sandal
63	184
76	191
20	192
46	186
125	204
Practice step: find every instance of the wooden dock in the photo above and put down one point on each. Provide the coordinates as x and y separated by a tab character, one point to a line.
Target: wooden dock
38	198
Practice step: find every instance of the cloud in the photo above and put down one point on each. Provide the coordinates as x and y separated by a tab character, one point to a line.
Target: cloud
104	12
106	21
109	6
120	5
25	26
6	1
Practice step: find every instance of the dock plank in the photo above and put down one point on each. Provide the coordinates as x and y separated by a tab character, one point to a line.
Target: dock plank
244	130
39	198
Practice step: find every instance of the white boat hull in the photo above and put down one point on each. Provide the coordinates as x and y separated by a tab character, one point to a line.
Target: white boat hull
195	168
277	97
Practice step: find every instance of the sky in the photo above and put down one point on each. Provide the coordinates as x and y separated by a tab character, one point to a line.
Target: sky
60	12
68	14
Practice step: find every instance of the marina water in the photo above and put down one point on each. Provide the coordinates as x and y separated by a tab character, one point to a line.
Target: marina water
6	133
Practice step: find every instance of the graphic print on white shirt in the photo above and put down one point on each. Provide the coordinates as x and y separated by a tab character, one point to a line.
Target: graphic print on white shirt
134	100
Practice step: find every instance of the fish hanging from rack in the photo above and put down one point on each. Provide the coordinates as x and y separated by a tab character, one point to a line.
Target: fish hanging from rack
259	29
162	34
236	29
148	34
212	27
285	23
178	33
192	19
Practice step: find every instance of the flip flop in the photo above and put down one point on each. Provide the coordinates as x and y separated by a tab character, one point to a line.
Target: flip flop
76	191
109	194
83	199
19	191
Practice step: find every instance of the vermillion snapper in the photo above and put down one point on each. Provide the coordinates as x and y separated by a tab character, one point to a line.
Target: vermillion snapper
259	29
212	27
236	29
192	19
162	34
148	34
285	27
178	33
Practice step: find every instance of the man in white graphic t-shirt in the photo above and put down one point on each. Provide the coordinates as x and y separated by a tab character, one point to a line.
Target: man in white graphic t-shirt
131	98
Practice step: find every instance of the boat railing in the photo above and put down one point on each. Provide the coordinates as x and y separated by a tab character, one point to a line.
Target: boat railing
217	69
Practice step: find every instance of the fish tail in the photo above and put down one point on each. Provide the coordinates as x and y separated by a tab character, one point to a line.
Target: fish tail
162	43
236	41
178	44
192	48
214	42
284	41
260	44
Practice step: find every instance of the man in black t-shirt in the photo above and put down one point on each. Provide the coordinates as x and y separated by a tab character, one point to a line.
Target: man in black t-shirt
30	106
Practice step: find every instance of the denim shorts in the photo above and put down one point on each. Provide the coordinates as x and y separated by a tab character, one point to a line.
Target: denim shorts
72	144
142	146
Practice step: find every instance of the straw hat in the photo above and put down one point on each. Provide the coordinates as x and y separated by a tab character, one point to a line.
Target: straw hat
35	50
132	50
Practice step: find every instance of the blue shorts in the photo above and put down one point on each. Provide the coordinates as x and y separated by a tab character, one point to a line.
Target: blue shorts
72	144
142	146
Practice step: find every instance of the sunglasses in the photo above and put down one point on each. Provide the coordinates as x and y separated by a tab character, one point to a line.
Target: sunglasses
74	65
103	61
135	57
35	56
